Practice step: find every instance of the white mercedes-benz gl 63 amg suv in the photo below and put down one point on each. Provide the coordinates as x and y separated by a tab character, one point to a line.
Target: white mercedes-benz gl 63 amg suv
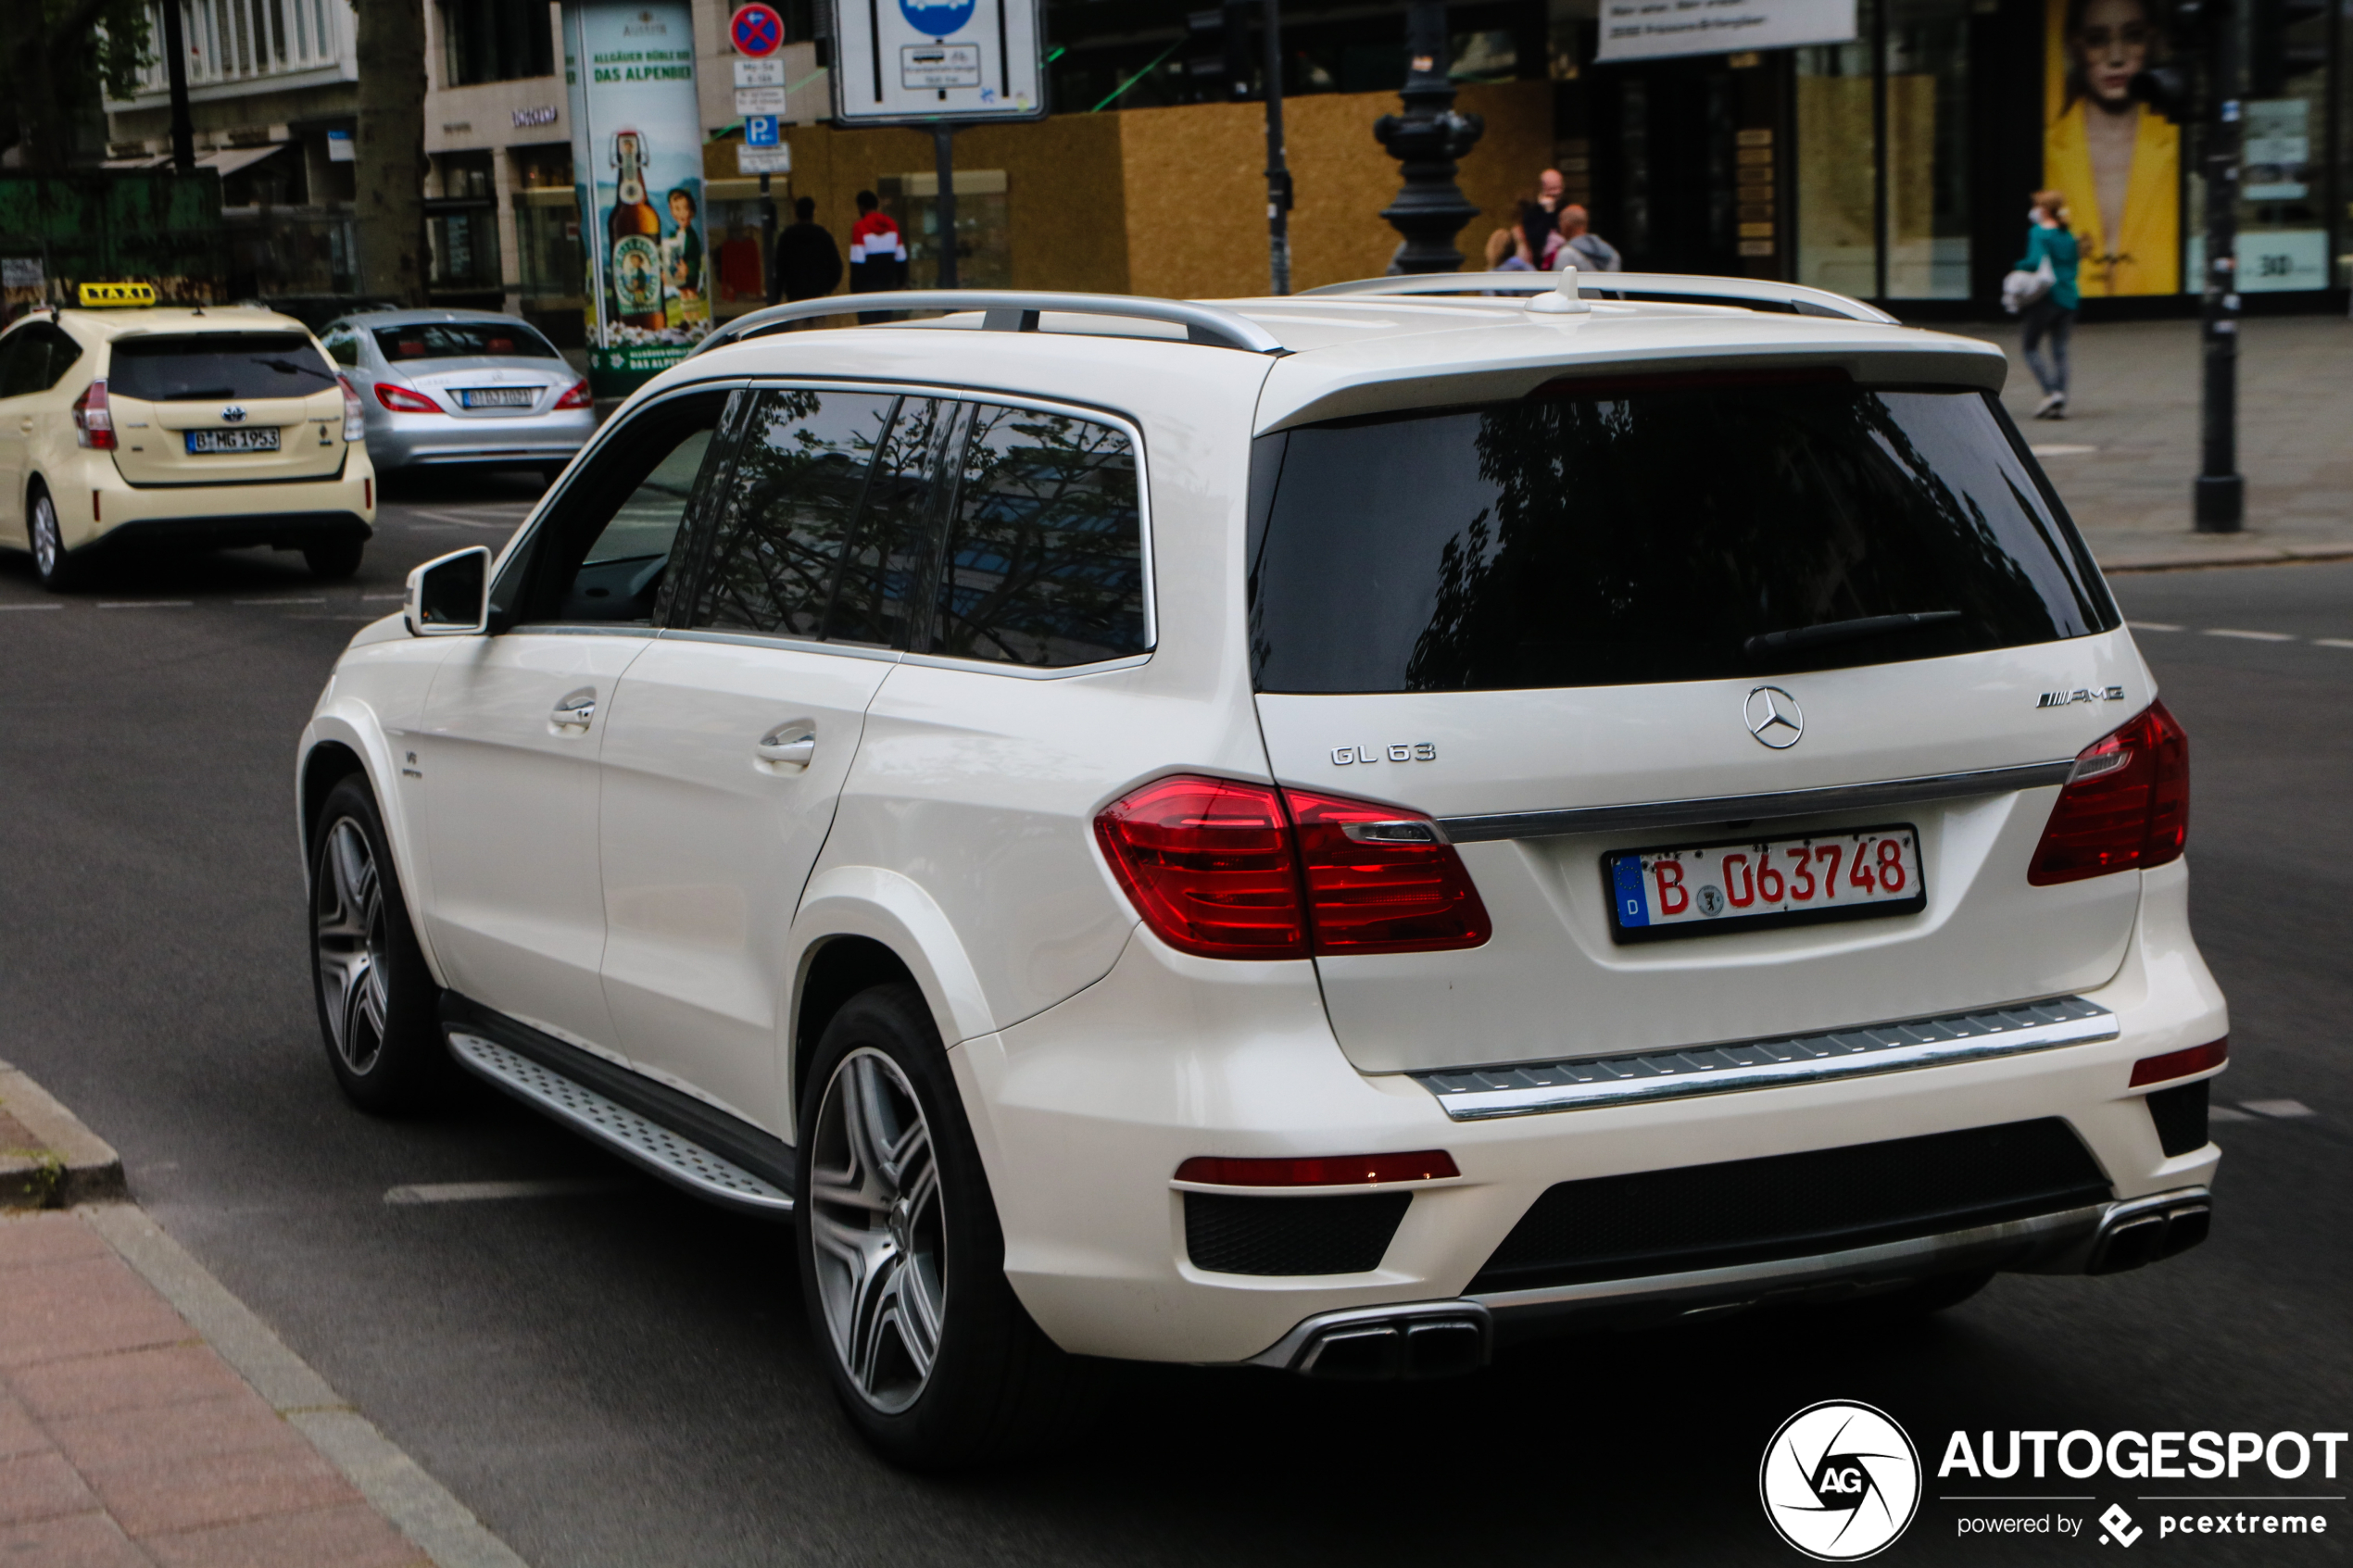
1327	832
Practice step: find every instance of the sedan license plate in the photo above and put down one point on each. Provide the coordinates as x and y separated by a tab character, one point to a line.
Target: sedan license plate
1747	885
496	396
262	439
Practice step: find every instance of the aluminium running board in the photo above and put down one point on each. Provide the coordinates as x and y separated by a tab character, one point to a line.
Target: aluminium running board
634	1136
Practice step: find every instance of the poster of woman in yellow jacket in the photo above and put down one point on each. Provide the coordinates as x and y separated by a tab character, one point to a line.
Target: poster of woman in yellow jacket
2116	160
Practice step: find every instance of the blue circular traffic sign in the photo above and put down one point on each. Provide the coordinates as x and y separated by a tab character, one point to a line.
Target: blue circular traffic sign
757	30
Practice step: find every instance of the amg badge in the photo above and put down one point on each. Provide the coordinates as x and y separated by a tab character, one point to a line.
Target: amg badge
2066	699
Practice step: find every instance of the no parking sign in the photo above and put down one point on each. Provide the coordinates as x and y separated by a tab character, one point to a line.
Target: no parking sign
757	30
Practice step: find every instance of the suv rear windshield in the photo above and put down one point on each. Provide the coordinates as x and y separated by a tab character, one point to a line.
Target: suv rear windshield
462	340
1657	532
200	368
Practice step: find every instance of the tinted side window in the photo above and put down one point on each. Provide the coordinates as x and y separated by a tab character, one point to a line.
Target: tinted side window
1658	533
63	352
602	553
798	478
871	601
23	361
1045	562
342	346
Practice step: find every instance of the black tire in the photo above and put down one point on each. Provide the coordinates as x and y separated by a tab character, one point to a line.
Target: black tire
331	560
996	1386
57	569
376	998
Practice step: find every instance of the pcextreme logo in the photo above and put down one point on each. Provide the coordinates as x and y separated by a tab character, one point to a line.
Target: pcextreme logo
1840	1481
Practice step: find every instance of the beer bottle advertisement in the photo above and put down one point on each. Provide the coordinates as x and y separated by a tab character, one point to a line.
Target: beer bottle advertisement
637	144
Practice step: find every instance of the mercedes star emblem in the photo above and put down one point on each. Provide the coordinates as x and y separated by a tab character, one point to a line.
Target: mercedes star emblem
1774	718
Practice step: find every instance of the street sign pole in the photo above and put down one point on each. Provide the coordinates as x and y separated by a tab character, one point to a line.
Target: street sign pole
943	151
1278	172
2219	504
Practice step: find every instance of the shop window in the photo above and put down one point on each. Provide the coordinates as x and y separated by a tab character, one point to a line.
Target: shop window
1928	219
738	255
984	226
1837	155
495	41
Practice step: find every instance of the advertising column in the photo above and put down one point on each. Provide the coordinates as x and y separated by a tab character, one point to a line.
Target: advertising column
637	148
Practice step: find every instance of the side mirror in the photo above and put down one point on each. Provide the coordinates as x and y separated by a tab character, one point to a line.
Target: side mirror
450	597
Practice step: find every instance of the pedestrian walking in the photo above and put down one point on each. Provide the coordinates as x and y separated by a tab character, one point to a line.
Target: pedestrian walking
877	254
805	264
1533	233
1579	246
2052	250
1503	253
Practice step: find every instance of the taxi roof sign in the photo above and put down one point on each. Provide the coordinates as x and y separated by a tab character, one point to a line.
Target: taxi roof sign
99	297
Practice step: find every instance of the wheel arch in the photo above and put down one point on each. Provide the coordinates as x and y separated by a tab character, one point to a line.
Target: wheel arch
336	745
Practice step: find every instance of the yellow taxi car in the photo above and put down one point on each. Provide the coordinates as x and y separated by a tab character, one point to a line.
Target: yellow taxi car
146	428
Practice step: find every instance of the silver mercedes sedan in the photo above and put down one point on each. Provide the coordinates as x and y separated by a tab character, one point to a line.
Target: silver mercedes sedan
461	386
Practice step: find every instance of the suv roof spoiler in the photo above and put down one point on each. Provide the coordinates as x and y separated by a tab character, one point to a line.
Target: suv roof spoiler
1602	286
1014	310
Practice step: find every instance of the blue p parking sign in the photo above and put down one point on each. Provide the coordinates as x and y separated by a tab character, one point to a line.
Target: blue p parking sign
761	130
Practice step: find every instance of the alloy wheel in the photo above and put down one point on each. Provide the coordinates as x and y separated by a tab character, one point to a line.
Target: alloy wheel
350	930
877	1230
48	544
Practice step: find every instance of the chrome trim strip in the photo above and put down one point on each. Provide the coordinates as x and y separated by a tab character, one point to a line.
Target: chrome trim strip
1528	1088
640	1139
1697	812
1821	1267
1017	310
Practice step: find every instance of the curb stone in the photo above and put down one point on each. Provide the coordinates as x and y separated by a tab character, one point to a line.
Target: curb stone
53	1162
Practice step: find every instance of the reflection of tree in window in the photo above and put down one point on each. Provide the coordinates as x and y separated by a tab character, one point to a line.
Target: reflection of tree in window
795	489
1045	560
870	596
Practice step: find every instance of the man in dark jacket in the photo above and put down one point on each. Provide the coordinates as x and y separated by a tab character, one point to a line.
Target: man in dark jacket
806	264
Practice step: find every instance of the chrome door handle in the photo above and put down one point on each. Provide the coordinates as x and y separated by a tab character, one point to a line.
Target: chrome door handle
576	709
792	743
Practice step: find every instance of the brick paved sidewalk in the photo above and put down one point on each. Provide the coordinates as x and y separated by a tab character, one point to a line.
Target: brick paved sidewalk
126	1439
2124	457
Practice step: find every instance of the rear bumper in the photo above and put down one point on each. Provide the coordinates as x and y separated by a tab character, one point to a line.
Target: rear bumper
1085	1111
399	441
282	531
98	511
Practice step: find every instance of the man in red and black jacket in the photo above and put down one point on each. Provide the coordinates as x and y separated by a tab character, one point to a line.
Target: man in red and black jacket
877	256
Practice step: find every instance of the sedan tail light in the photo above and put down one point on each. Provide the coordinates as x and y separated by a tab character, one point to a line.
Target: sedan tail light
578	397
93	420
1230	869
2125	806
400	400
355	413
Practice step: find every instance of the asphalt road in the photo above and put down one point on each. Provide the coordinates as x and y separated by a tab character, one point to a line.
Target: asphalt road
626	1378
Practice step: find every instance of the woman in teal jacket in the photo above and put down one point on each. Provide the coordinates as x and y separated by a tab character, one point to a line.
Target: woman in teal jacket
2052	316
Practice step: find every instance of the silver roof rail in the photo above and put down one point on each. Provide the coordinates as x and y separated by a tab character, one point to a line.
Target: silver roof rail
1014	310
1671	285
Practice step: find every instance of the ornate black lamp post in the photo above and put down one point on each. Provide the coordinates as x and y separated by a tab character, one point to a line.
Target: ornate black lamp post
1428	139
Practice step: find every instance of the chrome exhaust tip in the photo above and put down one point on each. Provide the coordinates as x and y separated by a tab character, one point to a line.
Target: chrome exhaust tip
1388	1344
2146	1230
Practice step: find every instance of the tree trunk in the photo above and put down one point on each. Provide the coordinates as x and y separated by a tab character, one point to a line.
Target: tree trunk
390	158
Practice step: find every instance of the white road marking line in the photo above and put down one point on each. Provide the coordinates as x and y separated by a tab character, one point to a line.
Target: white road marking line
490	1192
2152	626
2224	1113
2286	1109
2317	642
466	521
320	601
349	618
2061	449
149	604
31	607
2250	636
366	597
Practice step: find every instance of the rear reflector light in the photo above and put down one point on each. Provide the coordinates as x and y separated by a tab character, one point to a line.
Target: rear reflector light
1228	869
2126	806
367	495
400	400
2181	1064
577	397
355	413
93	420
1346	1170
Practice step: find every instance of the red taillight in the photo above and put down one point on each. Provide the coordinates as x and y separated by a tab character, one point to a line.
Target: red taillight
1347	1170
2181	1064
2126	806
1230	869
93	421
400	400
1382	881
577	397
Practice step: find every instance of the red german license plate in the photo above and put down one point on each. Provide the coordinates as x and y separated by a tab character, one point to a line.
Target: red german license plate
1700	889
